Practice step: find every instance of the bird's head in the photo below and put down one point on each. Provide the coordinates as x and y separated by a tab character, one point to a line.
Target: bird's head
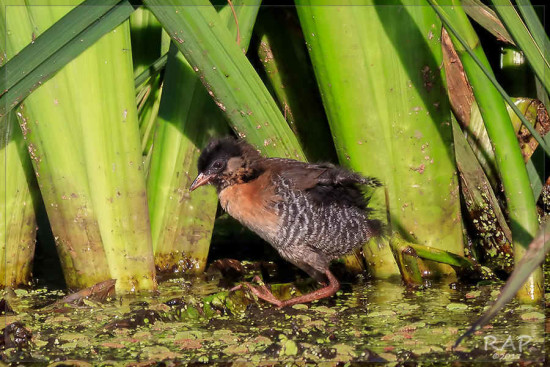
225	162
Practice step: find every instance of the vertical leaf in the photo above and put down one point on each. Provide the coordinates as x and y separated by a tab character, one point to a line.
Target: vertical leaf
17	206
535	47
389	119
283	56
231	81
182	223
82	135
519	196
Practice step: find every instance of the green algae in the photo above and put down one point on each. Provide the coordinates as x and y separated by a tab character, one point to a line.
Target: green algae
288	347
455	306
195	321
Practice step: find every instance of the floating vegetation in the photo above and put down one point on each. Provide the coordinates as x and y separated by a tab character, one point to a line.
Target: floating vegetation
197	321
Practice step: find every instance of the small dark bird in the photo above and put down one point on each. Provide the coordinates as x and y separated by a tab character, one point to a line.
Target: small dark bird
310	213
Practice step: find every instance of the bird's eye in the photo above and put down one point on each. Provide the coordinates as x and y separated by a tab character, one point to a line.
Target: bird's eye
217	165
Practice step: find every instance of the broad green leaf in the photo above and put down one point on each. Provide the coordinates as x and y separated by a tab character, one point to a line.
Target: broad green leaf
82	136
181	221
388	118
46	55
510	164
283	57
202	37
18	199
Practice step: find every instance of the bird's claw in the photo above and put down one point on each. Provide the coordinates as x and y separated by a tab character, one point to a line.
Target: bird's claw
256	279
260	291
236	288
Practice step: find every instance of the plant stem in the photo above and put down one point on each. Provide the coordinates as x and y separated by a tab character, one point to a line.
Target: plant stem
519	196
18	192
222	67
387	116
182	222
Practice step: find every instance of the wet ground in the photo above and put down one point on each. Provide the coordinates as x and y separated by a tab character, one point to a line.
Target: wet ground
368	321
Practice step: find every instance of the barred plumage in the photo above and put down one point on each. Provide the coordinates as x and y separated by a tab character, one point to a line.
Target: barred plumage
310	213
330	229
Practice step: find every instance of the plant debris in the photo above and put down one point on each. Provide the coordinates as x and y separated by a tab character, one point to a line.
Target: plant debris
194	321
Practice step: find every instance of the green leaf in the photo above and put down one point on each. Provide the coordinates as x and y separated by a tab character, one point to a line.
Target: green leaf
519	195
282	56
158	65
482	206
486	17
387	115
532	259
535	26
146	35
18	199
465	45
56	47
182	222
541	40
231	81
82	135
45	46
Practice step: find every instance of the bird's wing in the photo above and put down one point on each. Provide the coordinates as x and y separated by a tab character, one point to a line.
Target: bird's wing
323	182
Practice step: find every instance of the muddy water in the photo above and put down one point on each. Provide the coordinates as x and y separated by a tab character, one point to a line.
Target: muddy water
367	321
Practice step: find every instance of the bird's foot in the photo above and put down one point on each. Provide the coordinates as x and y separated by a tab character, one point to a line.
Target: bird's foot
328	290
260	291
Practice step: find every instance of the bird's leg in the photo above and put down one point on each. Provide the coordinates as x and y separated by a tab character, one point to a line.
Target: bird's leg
260	291
264	293
327	291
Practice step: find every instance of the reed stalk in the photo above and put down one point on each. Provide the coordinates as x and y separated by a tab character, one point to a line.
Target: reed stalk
83	139
182	223
18	192
509	161
389	119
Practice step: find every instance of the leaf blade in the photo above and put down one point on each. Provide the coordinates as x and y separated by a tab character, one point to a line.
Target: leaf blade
531	260
232	82
51	64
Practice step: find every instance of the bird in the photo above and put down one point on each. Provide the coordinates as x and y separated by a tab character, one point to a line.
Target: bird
311	213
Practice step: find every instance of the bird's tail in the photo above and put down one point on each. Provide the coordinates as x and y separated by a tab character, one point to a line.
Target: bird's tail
377	228
369	181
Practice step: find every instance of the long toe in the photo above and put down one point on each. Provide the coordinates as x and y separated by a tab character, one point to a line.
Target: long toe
264	293
235	288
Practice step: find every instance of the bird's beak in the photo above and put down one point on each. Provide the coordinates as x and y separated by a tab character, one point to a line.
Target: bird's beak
201	179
